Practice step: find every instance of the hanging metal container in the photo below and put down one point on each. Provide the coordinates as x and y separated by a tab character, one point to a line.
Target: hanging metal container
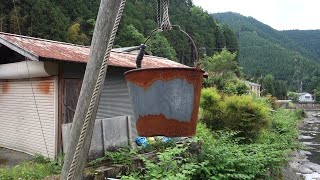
165	100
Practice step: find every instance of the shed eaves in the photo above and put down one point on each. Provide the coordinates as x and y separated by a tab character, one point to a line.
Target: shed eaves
60	51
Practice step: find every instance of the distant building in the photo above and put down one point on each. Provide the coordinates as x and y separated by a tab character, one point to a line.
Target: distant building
254	88
305	97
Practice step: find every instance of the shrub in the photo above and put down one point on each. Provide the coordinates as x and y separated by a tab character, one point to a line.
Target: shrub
227	158
293	96
171	163
246	116
317	96
237	88
212	108
272	101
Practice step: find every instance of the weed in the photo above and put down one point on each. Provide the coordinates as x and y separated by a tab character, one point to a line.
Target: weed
38	168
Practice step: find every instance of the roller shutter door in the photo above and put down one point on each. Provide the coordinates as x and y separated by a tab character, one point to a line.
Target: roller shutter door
20	127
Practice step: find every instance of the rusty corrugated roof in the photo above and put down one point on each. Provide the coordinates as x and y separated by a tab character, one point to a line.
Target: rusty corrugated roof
75	53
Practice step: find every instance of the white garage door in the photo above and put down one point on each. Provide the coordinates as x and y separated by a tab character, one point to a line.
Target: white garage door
28	115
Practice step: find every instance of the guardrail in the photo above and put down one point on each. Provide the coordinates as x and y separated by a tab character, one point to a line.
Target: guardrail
307	106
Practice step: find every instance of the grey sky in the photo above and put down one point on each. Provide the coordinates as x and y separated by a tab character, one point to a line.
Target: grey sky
279	14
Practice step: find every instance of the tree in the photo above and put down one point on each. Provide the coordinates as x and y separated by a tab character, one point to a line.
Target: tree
75	36
129	36
47	21
317	95
224	73
315	80
223	62
160	46
281	90
268	85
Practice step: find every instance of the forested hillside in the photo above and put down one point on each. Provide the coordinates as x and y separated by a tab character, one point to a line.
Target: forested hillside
309	39
264	50
73	21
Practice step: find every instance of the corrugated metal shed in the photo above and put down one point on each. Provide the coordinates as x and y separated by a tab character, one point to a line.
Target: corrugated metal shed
35	49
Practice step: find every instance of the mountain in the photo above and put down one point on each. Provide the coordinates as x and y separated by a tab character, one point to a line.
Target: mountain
287	55
309	39
73	21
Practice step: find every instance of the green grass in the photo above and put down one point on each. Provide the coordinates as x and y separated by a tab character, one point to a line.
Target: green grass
38	168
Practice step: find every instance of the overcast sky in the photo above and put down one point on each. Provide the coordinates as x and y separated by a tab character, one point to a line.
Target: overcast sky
279	14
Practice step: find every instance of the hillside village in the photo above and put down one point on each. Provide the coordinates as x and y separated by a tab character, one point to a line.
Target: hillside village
198	96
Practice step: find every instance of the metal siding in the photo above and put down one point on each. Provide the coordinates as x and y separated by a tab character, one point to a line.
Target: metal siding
115	100
19	124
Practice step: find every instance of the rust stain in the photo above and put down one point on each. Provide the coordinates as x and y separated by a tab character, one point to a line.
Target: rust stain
153	125
146	77
5	87
44	86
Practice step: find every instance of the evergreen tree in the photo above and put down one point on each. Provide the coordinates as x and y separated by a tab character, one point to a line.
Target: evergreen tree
129	36
268	85
160	46
280	89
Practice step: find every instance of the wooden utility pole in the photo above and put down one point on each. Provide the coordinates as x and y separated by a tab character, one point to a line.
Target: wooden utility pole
104	25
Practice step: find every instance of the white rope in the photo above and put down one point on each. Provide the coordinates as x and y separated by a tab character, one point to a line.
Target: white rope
95	94
166	24
159	13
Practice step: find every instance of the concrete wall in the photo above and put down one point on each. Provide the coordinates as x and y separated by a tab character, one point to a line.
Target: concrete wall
107	134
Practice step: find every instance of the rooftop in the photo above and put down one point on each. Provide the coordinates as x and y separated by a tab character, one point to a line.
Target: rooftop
42	49
252	83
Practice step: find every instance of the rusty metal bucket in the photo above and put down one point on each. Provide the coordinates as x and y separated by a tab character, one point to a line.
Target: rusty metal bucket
165	100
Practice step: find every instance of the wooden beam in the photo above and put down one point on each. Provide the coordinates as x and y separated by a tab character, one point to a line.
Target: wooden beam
19	50
104	25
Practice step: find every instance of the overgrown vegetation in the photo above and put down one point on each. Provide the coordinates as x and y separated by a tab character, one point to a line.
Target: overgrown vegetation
242	138
238	137
230	159
39	168
172	163
220	154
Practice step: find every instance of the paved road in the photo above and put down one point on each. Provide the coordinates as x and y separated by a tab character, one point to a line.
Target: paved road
9	158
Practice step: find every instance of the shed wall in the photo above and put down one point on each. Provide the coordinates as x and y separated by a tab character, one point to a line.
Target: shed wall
115	100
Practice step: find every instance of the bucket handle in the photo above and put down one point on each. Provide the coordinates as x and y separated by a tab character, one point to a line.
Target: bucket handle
143	47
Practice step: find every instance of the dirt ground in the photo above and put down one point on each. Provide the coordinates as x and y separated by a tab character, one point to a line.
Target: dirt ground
10	158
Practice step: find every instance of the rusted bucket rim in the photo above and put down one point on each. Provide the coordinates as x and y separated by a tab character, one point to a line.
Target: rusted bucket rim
165	68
